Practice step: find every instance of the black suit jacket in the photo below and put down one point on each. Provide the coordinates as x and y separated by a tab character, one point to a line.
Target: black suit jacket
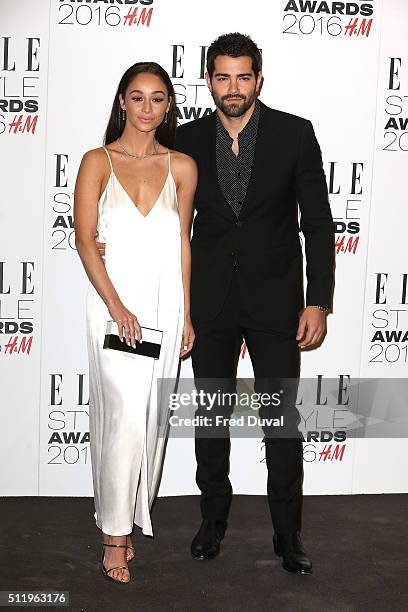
287	175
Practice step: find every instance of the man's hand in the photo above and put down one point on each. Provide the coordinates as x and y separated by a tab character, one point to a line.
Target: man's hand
101	248
312	327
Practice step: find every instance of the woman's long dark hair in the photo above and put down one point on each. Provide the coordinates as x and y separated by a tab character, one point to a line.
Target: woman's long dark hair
166	131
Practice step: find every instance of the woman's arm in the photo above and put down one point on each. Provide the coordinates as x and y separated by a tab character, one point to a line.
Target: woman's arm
186	182
88	189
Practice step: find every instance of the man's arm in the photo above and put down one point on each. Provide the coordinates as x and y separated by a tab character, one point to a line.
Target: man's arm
316	223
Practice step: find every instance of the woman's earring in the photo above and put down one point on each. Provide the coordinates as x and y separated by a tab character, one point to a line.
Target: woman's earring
123	114
165	118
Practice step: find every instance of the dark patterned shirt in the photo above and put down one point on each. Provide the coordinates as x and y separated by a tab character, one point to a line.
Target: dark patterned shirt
234	171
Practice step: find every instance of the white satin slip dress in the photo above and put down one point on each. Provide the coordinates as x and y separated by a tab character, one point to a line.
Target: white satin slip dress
143	261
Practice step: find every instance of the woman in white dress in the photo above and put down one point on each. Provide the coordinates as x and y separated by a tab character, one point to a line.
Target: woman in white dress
136	195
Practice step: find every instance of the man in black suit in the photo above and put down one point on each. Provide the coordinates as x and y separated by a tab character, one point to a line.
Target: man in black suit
257	168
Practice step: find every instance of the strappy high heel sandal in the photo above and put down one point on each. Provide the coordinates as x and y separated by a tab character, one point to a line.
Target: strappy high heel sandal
131	555
106	572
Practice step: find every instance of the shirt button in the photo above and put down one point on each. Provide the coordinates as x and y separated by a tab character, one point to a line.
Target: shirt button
238	223
232	253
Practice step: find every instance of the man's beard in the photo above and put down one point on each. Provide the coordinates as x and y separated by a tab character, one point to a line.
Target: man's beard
231	109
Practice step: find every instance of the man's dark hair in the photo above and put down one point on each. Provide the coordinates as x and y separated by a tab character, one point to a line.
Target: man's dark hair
234	45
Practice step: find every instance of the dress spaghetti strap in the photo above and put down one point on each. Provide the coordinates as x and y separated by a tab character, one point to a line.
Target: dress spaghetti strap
109	157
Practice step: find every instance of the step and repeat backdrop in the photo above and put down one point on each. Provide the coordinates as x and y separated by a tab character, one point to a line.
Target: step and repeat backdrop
344	66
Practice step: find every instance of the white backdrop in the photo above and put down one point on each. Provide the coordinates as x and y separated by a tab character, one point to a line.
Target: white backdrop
345	69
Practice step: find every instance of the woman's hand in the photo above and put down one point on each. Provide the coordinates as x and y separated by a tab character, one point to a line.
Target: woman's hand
188	337
128	325
101	248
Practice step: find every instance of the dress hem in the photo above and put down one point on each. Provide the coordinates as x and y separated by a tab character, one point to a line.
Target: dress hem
146	532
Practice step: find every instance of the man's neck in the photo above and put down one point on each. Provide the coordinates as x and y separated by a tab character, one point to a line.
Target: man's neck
235	125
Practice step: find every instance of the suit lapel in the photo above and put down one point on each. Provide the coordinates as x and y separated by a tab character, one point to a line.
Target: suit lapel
257	172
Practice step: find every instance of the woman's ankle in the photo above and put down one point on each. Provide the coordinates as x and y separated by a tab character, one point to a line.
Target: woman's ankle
111	539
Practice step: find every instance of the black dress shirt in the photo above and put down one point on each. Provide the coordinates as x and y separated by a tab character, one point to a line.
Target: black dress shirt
234	171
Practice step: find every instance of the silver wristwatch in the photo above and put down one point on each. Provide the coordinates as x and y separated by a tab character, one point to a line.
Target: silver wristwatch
322	308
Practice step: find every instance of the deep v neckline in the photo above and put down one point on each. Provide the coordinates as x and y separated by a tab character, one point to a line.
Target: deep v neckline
131	201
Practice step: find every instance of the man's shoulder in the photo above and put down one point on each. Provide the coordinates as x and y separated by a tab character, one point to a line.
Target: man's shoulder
191	136
282	117
197	125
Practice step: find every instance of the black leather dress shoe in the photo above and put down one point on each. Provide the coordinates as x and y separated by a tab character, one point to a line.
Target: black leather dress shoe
289	546
206	544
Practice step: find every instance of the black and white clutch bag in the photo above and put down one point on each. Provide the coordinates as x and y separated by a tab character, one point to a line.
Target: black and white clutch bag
149	347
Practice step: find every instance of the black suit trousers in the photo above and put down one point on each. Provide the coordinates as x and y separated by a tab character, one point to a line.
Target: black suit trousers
275	356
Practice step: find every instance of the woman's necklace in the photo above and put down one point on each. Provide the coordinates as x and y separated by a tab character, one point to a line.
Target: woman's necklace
138	156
